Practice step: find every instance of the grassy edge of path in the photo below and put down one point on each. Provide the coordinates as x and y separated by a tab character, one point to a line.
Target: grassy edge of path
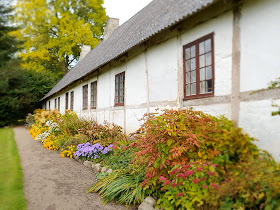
11	176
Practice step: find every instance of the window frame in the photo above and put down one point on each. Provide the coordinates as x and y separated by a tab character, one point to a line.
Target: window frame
196	43
72	100
66	101
58	104
93	95
85	97
49	105
118	103
55	103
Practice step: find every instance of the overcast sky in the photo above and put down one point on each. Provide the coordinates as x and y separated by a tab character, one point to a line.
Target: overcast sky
124	9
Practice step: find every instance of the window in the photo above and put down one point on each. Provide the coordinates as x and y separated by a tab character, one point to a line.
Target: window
199	68
72	101
119	89
85	96
93	94
49	105
66	101
58	103
55	103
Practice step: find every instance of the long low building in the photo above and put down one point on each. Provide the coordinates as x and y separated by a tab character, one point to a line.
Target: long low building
213	55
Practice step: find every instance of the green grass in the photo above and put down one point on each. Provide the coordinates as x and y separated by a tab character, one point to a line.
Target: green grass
11	182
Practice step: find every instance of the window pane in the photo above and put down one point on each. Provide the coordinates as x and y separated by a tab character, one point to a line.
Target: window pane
193	88
202	87
202	74
208	59
193	64
121	99
193	51
116	99
188	78
116	92
188	65
117	80
209	86
188	53
188	89
193	76
208	45
121	92
201	61
201	48
209	72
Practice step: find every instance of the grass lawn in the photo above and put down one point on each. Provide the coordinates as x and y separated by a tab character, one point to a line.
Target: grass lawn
11	183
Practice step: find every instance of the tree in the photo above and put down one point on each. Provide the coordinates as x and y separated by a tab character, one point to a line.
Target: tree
20	90
8	45
53	31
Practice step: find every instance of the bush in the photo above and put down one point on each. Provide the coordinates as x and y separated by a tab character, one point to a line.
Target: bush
177	137
254	184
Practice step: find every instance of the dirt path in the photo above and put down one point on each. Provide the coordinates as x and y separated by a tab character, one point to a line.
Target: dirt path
54	183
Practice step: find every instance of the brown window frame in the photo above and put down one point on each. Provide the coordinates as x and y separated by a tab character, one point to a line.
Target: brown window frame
196	44
66	100
49	105
72	100
85	97
55	103
58	104
93	95
117	98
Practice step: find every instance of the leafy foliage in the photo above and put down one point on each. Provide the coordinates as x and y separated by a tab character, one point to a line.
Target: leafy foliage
254	184
188	185
53	31
20	91
177	137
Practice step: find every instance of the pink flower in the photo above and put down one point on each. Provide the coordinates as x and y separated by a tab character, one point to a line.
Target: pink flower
180	175
161	178
211	173
203	179
198	169
204	186
215	186
186	166
173	184
214	165
192	163
180	183
195	181
167	161
167	182
227	180
179	194
188	173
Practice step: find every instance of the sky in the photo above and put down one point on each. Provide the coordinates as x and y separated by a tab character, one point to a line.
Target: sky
124	9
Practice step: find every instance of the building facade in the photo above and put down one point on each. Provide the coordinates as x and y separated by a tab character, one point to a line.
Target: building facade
215	56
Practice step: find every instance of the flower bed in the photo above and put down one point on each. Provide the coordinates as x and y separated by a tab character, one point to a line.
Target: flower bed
184	158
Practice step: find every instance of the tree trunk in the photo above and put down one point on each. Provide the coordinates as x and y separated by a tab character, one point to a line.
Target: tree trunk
64	65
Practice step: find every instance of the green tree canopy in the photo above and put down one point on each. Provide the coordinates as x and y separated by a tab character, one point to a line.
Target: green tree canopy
8	45
53	31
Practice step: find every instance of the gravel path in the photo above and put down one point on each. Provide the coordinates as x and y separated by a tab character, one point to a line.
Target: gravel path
52	182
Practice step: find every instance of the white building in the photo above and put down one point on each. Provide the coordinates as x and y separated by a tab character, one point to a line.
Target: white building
209	54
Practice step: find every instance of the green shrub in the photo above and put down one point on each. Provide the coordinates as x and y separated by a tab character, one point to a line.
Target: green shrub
254	184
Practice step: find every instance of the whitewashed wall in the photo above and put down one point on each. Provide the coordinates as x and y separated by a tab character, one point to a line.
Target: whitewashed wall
260	64
154	78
